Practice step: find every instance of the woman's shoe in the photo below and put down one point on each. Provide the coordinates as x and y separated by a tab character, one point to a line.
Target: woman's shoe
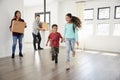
20	54
13	55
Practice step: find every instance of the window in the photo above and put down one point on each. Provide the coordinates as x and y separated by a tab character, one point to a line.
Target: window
42	17
102	29
117	12
88	14
103	13
116	31
88	29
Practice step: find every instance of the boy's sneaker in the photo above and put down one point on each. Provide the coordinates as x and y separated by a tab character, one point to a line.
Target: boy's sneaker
56	58
53	58
56	61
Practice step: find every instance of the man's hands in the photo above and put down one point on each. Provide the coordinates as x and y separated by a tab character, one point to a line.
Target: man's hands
39	29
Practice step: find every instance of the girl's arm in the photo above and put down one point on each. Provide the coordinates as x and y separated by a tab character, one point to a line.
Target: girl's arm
64	33
76	36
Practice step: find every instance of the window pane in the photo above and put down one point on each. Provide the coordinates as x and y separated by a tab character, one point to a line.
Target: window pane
88	14
88	29
47	18
103	13
117	12
102	29
116	31
42	17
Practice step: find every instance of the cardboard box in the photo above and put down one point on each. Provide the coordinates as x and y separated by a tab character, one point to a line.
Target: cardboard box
18	26
45	26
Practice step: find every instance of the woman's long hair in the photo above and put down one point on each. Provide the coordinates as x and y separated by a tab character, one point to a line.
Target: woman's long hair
15	14
75	20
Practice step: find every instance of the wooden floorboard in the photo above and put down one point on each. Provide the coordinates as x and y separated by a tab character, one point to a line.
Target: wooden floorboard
38	66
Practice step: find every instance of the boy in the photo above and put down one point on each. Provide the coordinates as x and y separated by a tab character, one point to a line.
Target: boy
54	39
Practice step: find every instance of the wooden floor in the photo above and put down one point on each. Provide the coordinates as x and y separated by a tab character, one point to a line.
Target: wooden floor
87	65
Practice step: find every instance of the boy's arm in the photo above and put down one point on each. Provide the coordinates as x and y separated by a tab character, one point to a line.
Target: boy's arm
47	41
62	39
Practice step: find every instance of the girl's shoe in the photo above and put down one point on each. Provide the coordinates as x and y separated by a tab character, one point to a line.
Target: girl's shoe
68	66
73	54
67	69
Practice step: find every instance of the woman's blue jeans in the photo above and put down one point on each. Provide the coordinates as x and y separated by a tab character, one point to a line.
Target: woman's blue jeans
15	39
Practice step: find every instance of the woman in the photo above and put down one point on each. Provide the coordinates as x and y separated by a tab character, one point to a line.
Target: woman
71	36
17	36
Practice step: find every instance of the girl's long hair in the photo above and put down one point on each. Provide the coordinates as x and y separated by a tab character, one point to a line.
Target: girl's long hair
75	20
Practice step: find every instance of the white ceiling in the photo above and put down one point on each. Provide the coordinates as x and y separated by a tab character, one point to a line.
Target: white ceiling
29	3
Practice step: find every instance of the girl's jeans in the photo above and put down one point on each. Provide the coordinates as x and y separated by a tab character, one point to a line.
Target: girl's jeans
70	46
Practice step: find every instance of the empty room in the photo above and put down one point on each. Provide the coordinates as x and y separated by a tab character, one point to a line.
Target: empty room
60	40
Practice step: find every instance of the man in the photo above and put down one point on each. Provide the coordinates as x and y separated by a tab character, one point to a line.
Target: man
36	34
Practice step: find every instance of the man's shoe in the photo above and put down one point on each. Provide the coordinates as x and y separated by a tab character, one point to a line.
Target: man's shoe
40	48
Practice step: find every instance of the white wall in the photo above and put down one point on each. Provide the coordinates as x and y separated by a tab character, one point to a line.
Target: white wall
58	12
29	18
106	43
7	8
64	8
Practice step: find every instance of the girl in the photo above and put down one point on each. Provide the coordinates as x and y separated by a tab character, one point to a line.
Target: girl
15	35
71	36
